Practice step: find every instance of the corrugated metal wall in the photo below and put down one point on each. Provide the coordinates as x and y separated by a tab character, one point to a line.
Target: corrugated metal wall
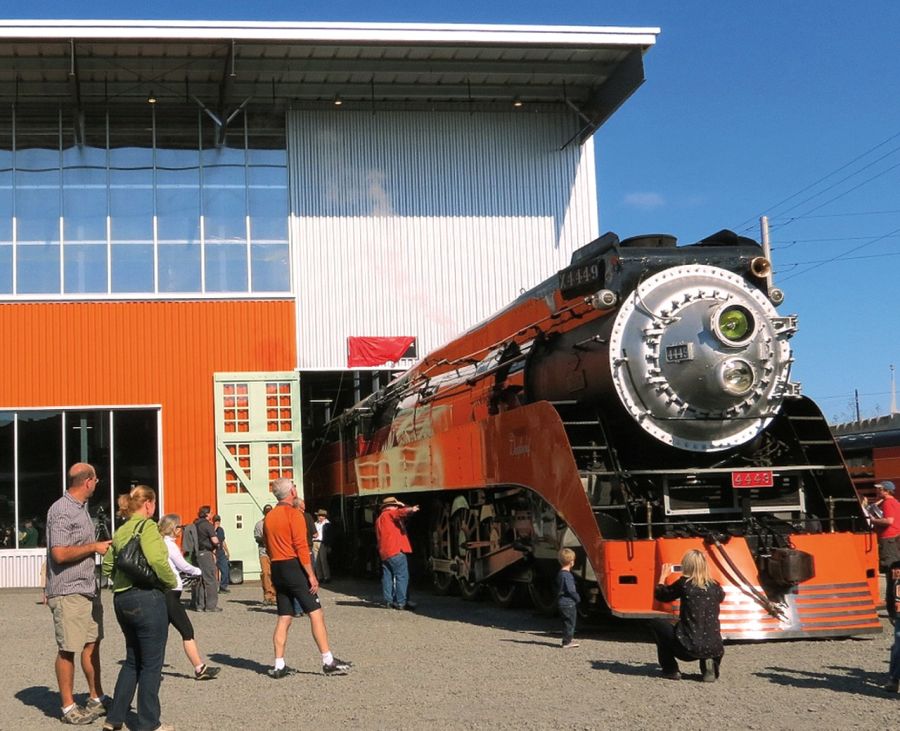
22	568
417	223
141	353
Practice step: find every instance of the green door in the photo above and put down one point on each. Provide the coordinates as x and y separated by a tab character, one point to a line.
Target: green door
257	441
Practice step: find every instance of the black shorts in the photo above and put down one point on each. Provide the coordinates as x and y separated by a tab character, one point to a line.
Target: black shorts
291	582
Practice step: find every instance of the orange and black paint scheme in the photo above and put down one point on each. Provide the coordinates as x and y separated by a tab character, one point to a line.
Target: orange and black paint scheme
634	406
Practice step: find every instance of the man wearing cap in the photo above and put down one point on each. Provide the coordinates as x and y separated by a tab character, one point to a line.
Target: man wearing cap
265	565
888	529
393	545
320	544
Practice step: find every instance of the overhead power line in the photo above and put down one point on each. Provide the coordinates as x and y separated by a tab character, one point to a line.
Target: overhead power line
839	195
771	210
843	255
791	265
788	243
842	215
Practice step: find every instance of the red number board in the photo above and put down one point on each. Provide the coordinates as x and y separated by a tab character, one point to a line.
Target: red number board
752	478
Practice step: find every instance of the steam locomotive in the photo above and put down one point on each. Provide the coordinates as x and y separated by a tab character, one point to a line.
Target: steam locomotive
636	405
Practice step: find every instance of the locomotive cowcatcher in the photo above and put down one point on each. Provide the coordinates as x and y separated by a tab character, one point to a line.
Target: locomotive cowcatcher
634	406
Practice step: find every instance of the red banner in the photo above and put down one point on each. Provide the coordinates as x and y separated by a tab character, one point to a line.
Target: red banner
370	352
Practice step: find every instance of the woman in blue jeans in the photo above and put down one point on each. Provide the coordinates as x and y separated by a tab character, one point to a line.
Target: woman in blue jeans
141	614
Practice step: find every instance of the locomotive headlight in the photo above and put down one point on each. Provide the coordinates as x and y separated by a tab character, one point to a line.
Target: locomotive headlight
736	376
733	324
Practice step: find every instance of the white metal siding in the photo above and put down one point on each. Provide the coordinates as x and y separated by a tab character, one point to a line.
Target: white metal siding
21	568
418	223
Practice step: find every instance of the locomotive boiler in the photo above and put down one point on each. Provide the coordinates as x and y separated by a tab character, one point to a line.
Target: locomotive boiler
635	405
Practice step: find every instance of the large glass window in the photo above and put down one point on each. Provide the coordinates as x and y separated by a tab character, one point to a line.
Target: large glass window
41	474
38	447
142	200
8	523
6	204
136	455
178	220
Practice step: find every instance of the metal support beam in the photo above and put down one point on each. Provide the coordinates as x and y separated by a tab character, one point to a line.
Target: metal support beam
75	86
226	84
623	82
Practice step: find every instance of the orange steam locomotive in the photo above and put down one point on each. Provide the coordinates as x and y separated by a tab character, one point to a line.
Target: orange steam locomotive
633	406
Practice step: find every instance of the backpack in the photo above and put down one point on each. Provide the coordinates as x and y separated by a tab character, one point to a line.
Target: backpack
190	543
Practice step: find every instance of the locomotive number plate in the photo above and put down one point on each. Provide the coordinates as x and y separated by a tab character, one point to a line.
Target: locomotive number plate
580	278
679	352
752	478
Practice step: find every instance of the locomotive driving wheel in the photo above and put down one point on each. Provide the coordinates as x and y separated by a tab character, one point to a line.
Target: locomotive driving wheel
503	593
441	546
465	530
543	595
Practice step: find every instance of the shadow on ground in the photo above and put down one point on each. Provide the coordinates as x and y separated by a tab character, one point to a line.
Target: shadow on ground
846	680
639	669
482	612
43	698
243	663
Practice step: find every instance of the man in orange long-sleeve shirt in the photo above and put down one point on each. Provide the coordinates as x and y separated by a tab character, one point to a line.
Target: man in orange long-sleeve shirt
294	578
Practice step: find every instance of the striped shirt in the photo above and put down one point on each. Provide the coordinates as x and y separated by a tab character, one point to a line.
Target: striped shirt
69	524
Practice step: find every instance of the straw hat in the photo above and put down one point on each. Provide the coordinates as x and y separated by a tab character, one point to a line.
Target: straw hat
322	512
392	501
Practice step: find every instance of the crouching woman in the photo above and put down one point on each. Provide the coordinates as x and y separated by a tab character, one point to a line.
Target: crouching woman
696	635
141	613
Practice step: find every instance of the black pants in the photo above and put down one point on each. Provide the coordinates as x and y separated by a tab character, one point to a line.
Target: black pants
177	616
892	591
569	614
669	650
889	557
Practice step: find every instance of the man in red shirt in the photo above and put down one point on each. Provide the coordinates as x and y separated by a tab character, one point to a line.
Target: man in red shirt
393	545
293	577
888	529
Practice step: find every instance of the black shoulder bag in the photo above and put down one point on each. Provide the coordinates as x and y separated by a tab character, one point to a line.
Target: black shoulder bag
133	563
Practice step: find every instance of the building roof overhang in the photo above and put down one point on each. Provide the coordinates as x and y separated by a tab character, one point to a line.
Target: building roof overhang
221	66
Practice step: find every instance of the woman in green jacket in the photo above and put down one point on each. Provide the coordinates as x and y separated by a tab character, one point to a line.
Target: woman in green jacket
141	614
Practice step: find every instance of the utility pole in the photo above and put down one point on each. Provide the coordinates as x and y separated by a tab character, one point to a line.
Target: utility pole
856	398
893	392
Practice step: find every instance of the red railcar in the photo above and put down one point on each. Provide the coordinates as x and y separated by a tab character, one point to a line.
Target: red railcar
871	449
633	406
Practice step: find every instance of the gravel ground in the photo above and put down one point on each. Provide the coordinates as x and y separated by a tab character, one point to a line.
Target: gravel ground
456	665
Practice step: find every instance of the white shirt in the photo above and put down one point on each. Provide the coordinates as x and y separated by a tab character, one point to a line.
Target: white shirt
320	528
177	562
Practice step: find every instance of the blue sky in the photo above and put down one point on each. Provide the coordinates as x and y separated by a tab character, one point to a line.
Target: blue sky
785	108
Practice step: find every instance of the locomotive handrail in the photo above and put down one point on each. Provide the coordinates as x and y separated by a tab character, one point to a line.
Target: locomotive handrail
471	357
728	470
500	366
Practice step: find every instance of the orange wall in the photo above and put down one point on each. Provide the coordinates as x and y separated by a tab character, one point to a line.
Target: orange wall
136	353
